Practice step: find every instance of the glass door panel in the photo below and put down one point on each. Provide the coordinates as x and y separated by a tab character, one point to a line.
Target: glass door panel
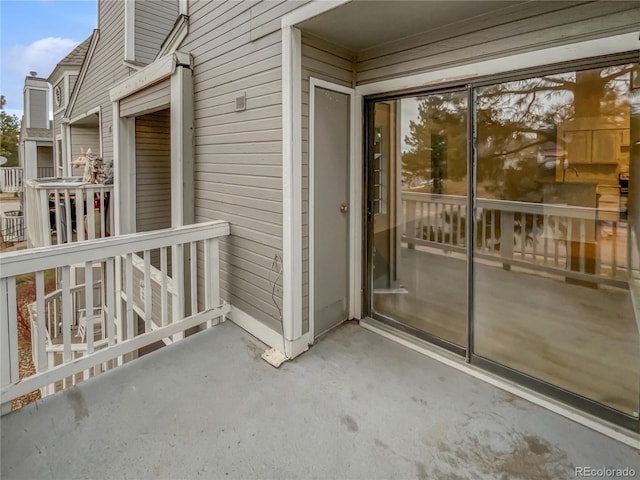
553	232
418	198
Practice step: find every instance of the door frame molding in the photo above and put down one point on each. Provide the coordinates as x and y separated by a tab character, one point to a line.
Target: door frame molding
354	206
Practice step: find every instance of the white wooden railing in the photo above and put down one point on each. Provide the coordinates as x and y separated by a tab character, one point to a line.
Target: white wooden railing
581	243
10	179
63	210
129	325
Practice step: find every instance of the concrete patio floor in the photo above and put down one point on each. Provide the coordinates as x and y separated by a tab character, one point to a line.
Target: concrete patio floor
355	406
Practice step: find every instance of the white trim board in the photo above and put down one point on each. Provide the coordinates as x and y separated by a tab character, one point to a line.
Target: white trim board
355	212
610	430
536	58
292	183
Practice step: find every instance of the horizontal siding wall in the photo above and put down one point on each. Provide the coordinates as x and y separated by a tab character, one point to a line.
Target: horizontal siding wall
334	64
518	29
153	98
83	139
106	69
236	48
153	171
154	20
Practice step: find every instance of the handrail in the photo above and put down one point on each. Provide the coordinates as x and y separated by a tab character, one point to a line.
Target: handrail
140	303
44	258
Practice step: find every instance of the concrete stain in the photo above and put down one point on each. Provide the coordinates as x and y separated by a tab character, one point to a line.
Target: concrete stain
78	404
253	349
508	455
349	422
379	443
421	470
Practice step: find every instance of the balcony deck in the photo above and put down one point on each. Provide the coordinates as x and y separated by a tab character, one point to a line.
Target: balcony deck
355	406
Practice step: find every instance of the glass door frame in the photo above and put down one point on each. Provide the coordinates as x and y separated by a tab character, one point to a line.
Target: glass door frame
553	391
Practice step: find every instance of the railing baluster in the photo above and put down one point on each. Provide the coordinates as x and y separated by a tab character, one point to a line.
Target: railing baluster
177	299
534	236
66	312
128	285
9	358
411	223
429	222
102	214
164	297
545	247
67	212
91	213
148	303
583	240
111	301
194	277
459	224
79	208
211	274
569	240
421	221
41	353
493	231
614	251
88	305
58	213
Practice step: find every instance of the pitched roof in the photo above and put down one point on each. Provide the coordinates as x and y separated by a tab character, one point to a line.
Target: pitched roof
77	54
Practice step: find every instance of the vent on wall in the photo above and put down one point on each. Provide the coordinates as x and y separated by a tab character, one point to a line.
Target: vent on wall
241	102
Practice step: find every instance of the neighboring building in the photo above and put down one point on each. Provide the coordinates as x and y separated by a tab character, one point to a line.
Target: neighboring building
296	121
36	140
63	81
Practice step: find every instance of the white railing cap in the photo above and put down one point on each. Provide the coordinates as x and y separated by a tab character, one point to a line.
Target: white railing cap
44	258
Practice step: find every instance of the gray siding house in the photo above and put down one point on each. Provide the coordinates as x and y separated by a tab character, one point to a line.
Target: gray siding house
459	176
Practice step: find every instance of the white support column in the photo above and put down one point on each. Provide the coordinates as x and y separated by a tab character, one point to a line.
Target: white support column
182	194
292	184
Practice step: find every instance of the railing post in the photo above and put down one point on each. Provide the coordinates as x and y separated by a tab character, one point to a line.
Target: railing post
9	360
506	237
411	223
212	276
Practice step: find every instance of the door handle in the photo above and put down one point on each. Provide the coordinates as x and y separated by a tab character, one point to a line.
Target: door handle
344	208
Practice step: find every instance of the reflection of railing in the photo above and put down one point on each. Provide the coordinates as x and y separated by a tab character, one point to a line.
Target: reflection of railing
579	243
54	206
191	294
10	179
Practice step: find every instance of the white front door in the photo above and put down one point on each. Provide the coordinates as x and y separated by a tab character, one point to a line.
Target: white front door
329	195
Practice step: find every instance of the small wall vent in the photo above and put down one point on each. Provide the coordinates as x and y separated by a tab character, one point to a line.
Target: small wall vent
241	102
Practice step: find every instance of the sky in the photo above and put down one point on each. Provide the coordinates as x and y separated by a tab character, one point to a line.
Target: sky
34	36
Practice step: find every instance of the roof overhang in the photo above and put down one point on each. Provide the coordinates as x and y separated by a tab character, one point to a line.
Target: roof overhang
360	25
151	74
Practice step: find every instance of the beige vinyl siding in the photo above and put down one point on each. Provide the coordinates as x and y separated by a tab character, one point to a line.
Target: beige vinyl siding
334	64
236	47
154	20
72	83
82	139
38	109
545	24
106	68
153	98
153	171
45	157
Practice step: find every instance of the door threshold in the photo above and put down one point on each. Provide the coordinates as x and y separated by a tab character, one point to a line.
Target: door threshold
441	355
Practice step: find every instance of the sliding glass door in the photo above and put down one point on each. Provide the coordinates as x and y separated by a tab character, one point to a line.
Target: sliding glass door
418	197
534	276
551	292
